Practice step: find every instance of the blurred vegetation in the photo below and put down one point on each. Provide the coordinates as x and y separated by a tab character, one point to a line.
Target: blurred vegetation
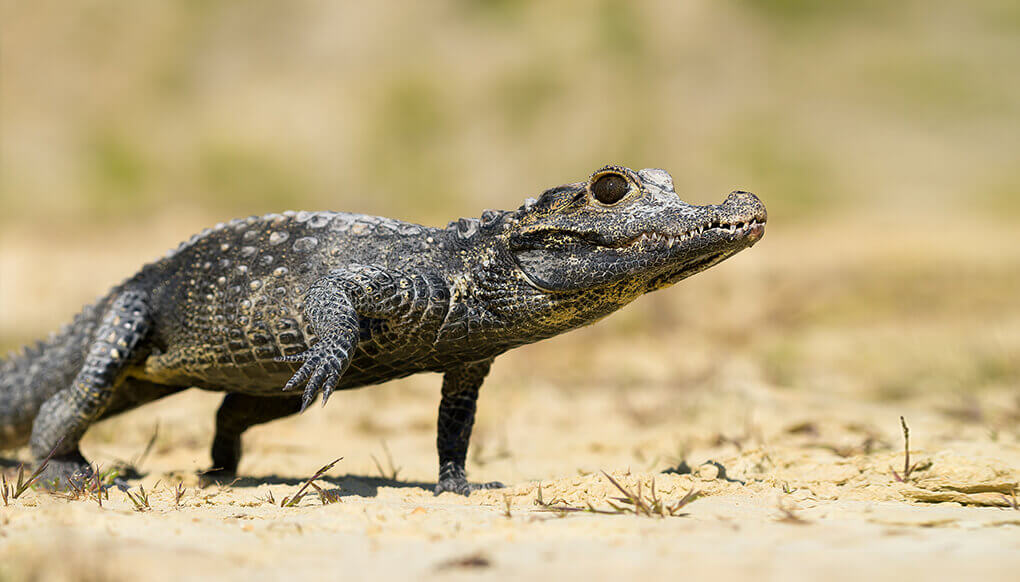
112	111
119	118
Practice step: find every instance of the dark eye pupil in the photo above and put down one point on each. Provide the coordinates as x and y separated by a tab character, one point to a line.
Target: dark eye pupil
609	189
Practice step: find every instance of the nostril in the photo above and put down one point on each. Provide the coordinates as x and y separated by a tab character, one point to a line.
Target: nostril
748	202
740	195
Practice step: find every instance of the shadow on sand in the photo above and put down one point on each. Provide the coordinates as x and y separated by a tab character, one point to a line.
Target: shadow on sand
349	485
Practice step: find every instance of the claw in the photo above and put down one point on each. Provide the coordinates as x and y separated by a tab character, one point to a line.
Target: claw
300	376
318	373
328	386
306	401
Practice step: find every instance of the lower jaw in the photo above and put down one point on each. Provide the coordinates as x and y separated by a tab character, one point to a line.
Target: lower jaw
749	238
692	268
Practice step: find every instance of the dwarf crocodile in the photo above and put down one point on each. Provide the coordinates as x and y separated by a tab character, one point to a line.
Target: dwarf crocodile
278	310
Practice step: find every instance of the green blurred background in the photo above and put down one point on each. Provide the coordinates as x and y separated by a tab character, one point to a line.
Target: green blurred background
114	110
884	137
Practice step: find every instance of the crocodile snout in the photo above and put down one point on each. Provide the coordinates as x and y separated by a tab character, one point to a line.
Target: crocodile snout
744	205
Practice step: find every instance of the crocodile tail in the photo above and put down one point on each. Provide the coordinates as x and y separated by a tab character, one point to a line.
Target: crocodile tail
29	378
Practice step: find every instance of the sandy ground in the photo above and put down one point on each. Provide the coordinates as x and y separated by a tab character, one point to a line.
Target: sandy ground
772	387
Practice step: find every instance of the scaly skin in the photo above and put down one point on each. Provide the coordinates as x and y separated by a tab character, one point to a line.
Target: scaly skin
278	309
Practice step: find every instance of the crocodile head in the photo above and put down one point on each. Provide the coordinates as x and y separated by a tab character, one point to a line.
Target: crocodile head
628	228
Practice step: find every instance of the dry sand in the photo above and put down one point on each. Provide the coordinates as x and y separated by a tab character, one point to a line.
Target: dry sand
773	387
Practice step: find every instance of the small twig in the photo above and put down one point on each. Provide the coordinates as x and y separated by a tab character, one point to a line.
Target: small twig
906	448
137	464
907	467
293	501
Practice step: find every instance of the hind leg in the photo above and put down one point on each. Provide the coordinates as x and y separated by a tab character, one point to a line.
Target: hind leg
66	415
238	413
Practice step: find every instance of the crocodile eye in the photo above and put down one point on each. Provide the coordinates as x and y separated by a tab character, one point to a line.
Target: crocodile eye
609	188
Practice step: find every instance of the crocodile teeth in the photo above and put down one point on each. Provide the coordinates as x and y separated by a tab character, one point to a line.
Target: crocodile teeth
660	239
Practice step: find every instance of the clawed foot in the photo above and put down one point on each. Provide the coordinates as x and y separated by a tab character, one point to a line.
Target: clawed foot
462	487
73	472
61	471
322	369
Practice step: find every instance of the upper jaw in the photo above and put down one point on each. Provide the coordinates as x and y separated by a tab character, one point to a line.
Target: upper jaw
725	230
740	218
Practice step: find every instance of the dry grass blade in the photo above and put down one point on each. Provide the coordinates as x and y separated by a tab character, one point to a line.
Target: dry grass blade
633	499
75	489
179	491
140	500
97	488
560	506
631	503
24	484
268	497
4	489
684	501
1011	500
394	470
653	506
90	487
327	496
297	497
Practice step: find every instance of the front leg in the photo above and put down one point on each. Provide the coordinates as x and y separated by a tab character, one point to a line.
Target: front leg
330	308
334	307
456	418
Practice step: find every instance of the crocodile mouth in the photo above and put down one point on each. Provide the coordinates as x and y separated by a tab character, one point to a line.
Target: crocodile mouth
751	229
720	242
